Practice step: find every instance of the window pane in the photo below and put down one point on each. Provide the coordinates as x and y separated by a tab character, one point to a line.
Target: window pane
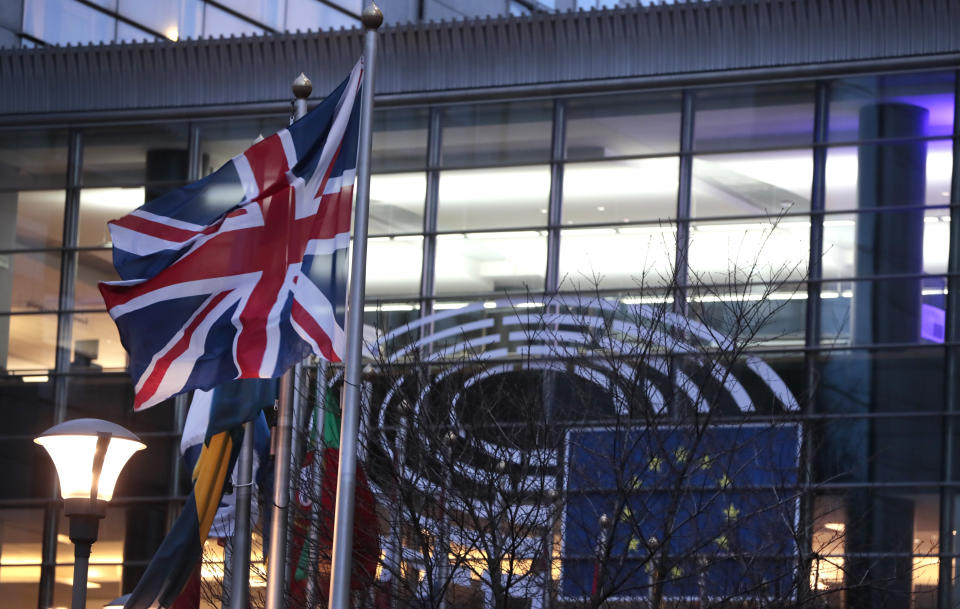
27	472
609	258
129	33
28	343
752	183
221	141
135	155
866	536
26	404
394	266
753	315
96	344
217	22
620	191
854	106
493	198
889	175
100	205
911	310
313	15
109	396
396	202
622	125
163	17
29	282
33	159
399	138
754	117
882	243
31	219
762	251
490	262
92	266
65	21
22	541
483	134
268	12
387	315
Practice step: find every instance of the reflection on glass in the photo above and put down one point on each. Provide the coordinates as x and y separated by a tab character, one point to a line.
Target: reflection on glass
220	141
33	159
760	251
919	177
399	138
29	282
626	257
396	202
493	198
21	532
754	116
135	155
752	183
490	262
484	134
313	15
66	22
622	125
932	91
31	219
92	266
27	343
911	310
100	205
620	191
926	252
394	265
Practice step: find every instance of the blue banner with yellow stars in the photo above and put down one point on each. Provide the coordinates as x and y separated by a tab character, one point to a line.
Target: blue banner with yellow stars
689	513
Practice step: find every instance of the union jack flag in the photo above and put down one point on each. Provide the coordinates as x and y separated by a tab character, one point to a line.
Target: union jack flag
243	273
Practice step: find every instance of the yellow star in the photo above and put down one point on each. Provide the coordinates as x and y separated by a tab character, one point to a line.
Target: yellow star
656	464
634	545
705	462
676	572
681	455
635	483
724	481
721	542
626	513
731	512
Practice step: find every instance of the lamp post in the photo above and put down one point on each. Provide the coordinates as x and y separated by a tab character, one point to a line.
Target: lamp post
88	455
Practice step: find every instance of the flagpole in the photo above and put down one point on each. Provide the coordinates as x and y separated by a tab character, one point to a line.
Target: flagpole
277	557
240	576
342	561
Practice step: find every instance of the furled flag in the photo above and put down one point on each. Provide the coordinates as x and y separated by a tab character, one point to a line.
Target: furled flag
243	273
324	459
170	568
191	445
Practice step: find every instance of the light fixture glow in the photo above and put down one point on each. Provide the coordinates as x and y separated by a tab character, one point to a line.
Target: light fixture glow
72	446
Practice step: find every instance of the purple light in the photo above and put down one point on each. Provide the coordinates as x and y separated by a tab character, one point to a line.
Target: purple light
933	322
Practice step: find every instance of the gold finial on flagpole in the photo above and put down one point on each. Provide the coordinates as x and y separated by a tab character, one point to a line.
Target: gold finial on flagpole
371	17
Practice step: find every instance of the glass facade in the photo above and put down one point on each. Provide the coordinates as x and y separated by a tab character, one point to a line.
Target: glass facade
837	191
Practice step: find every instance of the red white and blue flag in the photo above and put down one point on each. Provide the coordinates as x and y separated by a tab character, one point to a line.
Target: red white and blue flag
243	273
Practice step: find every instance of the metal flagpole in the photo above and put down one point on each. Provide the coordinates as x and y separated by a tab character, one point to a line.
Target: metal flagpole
277	558
240	576
350	419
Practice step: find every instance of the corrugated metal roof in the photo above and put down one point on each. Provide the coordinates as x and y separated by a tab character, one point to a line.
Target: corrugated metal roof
637	42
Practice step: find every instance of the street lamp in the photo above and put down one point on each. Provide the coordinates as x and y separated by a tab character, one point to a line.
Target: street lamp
88	455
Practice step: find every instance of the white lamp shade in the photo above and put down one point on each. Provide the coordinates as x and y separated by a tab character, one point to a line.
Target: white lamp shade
73	448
